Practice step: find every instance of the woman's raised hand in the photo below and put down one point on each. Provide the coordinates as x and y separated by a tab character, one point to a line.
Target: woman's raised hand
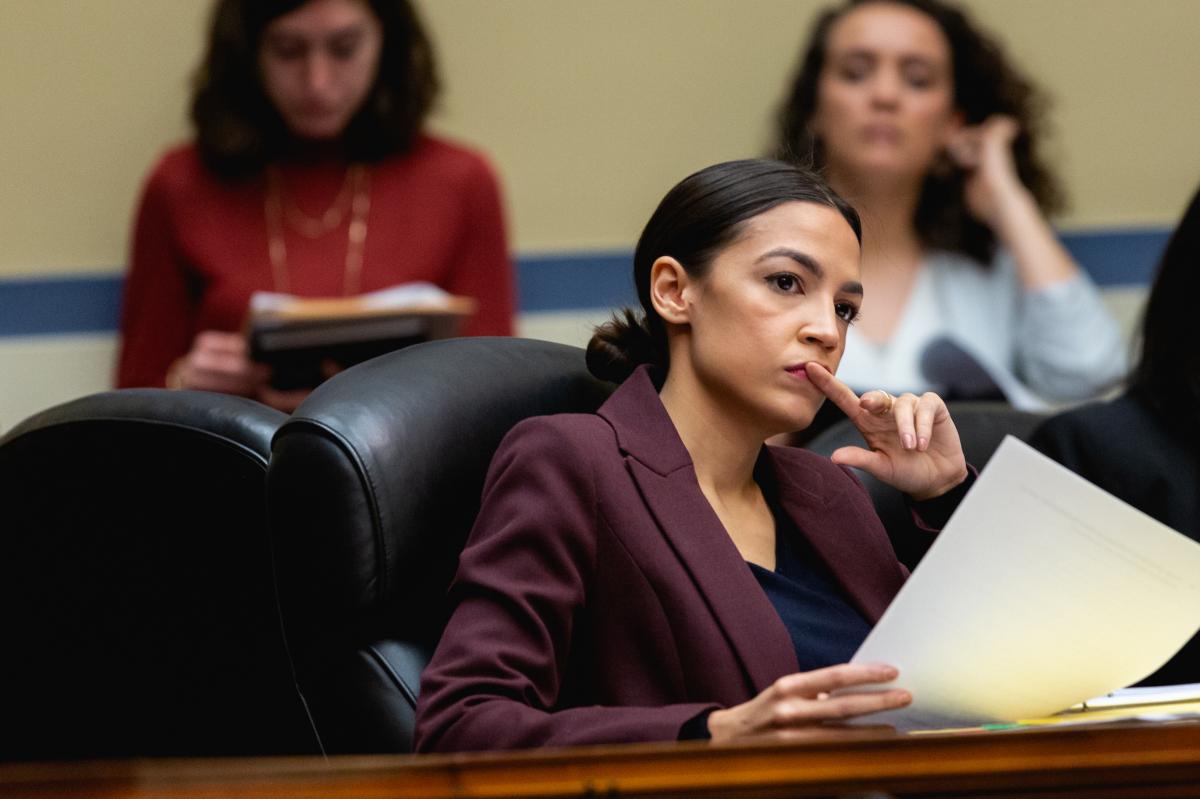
913	444
797	702
984	151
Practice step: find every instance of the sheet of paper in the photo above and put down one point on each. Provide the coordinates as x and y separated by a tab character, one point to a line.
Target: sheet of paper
1147	695
1041	592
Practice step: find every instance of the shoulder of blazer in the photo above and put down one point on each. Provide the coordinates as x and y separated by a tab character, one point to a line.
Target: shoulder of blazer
572	444
580	431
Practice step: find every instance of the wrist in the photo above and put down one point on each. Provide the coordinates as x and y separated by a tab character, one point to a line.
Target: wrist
1014	206
715	725
943	488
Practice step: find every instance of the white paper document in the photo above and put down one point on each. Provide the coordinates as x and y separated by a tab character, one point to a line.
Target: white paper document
1042	591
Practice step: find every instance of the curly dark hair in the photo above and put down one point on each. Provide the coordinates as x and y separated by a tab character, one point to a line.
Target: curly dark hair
985	83
239	130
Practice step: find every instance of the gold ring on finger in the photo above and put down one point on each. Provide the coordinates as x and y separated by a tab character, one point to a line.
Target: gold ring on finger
889	403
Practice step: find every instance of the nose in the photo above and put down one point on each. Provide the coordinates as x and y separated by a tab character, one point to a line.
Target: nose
885	88
318	73
823	329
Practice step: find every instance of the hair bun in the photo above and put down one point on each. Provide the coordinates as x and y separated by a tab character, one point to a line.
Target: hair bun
621	345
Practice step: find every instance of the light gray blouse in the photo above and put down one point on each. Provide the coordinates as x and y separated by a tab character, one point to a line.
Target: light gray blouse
1041	347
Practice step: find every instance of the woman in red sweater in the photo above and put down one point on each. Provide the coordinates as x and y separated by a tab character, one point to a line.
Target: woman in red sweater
309	175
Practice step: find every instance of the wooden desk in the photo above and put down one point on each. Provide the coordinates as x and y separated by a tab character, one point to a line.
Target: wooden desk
1117	761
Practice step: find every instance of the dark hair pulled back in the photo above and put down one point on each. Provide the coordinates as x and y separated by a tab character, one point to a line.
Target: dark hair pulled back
699	217
985	83
238	129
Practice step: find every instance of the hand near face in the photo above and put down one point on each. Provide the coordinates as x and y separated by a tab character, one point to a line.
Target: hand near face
984	151
793	705
913	444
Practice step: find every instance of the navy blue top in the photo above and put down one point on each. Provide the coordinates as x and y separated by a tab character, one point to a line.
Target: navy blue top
825	628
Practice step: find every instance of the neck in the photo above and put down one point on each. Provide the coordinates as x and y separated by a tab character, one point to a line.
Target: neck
723	448
313	151
888	209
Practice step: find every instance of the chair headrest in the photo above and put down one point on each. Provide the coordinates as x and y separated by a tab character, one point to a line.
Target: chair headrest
242	422
375	480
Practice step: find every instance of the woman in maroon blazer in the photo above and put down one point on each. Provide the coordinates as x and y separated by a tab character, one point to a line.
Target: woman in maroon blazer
653	571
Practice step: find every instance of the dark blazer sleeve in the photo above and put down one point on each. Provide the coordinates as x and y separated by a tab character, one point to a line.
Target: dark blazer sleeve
495	680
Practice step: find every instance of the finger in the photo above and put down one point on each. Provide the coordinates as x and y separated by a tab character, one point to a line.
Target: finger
216	381
904	413
219	341
859	458
928	407
838	392
222	364
1002	127
844	675
878	402
230	374
806	711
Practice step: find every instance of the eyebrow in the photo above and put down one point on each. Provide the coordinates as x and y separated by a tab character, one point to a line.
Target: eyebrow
353	30
811	265
862	54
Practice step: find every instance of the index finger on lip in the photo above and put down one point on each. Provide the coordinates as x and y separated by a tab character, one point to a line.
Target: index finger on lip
838	392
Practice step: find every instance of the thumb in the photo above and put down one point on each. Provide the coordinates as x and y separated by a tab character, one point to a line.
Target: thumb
859	458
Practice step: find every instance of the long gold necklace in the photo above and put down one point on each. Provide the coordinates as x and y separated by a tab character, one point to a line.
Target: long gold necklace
357	187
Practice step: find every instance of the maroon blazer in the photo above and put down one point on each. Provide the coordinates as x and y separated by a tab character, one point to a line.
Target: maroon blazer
599	599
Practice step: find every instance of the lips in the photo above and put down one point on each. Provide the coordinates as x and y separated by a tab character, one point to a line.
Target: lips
884	134
797	371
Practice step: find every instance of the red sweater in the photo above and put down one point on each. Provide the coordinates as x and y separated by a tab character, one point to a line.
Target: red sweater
200	246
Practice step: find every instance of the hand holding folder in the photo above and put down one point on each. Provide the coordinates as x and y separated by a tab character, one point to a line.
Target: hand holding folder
303	339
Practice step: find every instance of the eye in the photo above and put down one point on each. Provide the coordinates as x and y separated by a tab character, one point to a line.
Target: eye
919	81
846	311
853	73
344	49
919	75
286	49
786	282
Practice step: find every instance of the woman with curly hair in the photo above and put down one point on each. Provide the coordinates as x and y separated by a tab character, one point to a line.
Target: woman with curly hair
919	120
310	175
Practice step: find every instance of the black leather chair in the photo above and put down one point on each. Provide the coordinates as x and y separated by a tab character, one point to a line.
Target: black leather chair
137	608
373	485
981	427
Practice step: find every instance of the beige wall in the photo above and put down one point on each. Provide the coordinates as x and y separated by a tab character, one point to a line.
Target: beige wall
590	108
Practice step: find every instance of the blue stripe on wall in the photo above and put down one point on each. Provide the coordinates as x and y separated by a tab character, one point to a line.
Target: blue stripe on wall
80	304
558	282
1126	257
550	282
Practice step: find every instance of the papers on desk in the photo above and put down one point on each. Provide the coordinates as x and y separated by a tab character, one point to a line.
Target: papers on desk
1145	695
1042	591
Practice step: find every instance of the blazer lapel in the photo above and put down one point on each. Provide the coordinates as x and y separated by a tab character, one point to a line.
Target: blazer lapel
662	470
863	563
